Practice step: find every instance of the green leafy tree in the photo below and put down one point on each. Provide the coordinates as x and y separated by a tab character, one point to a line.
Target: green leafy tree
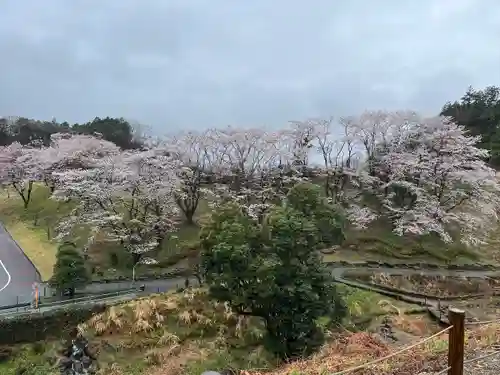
69	271
116	130
271	270
310	201
479	112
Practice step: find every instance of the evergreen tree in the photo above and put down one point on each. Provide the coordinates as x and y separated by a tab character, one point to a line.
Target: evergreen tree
479	112
273	270
69	271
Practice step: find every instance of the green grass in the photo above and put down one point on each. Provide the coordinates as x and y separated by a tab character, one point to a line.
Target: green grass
33	229
379	243
31	359
363	306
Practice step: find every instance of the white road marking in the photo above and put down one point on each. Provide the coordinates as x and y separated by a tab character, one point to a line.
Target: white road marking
8	276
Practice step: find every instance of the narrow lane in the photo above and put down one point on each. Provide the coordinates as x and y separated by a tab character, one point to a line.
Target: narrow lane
17	273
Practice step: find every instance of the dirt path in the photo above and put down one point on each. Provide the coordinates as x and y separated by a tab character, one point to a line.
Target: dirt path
431	302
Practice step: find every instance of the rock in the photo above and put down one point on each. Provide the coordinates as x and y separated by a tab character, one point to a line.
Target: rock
211	373
386	330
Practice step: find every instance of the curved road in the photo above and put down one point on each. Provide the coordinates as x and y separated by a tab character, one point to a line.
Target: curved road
163	285
17	273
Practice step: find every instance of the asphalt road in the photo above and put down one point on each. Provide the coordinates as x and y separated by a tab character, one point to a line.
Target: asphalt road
155	286
17	273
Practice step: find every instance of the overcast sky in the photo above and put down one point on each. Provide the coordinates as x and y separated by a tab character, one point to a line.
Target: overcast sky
199	63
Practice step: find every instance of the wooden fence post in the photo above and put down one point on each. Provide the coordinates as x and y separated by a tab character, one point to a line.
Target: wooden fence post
456	342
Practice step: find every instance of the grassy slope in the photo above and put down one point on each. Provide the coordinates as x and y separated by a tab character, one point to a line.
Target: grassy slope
378	242
185	332
33	228
196	336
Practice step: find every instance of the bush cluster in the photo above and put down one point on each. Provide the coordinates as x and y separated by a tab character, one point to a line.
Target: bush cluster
273	270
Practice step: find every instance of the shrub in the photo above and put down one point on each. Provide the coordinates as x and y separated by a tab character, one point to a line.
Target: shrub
273	271
309	200
69	271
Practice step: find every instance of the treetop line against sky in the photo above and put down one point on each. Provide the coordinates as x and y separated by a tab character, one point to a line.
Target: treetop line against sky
197	63
419	169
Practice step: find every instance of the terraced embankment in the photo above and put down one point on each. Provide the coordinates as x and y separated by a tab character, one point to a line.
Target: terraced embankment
339	270
436	305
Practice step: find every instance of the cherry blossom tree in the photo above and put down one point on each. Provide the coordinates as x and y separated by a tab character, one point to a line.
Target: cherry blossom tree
434	180
257	167
303	134
244	152
335	144
373	129
129	197
426	173
19	169
338	145
199	157
71	151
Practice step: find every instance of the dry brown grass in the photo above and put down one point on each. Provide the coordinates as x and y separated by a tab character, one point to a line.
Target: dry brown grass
354	349
414	325
167	331
187	333
349	350
190	309
437	285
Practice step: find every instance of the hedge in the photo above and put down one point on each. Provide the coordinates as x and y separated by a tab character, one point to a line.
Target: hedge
45	325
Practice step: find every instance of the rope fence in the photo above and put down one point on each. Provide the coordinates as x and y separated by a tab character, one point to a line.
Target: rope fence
456	346
482	322
378	360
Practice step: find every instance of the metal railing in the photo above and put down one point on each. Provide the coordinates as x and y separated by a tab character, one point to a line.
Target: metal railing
28	308
49	295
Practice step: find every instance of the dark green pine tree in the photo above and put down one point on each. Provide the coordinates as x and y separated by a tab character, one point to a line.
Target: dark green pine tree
479	112
273	270
69	271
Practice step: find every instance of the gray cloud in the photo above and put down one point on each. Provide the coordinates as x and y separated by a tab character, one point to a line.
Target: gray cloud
197	63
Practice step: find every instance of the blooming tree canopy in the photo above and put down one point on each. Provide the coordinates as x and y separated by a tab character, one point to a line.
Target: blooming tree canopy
199	158
72	151
19	168
435	180
257	167
426	175
130	197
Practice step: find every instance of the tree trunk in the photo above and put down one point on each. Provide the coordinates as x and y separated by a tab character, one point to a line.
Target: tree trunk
189	217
